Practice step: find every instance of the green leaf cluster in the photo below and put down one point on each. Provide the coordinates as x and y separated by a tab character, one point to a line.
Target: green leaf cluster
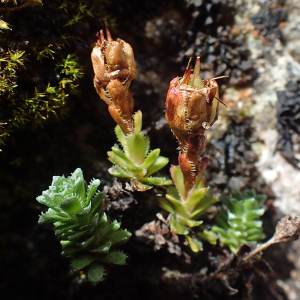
85	232
185	211
239	225
135	161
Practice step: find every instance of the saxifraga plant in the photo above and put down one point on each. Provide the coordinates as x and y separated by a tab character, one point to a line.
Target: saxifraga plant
191	108
239	225
136	162
86	234
114	67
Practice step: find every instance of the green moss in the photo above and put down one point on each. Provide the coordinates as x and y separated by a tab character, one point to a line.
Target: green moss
39	65
39	104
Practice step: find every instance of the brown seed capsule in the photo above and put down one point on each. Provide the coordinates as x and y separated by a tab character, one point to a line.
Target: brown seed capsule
112	60
191	108
191	105
114	67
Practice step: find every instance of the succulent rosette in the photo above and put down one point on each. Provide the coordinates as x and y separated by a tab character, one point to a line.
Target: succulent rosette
85	232
135	161
239	224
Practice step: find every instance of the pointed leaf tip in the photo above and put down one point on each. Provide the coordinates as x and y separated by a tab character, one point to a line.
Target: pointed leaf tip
138	117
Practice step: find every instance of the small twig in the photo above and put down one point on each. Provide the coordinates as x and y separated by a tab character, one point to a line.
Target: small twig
287	230
260	248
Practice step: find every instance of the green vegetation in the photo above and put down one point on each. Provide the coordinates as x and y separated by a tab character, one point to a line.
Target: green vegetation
185	211
39	64
239	225
135	162
37	106
85	232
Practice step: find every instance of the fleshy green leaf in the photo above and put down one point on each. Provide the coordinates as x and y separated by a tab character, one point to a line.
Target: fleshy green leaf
70	250
115	257
209	236
159	163
194	199
92	189
119	237
150	159
103	232
43	200
239	225
177	204
103	248
256	237
79	189
51	217
251	215
118	172
164	204
96	204
176	227
186	221
194	244
77	236
135	143
64	228
84	230
137	118
116	159
220	230
203	205
250	204
121	138
117	151
81	262
159	181
252	231
137	185
71	205
95	272
146	146
237	208
178	179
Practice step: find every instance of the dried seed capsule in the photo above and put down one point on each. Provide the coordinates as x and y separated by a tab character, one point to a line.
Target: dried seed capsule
191	108
112	60
191	105
114	67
